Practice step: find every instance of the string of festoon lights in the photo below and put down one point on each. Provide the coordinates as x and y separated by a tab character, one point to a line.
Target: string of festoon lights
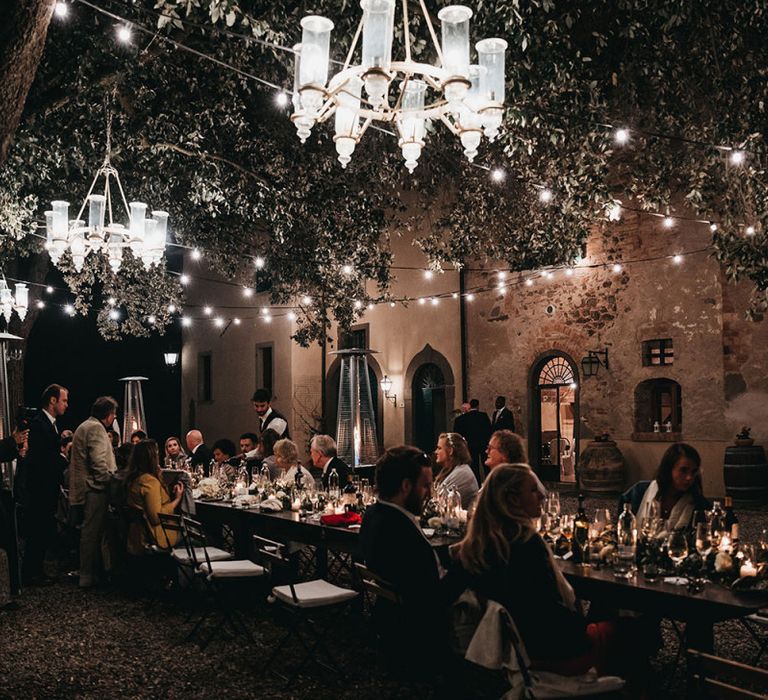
501	281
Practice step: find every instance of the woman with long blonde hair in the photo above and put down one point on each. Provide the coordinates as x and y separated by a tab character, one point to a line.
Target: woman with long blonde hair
453	457
506	560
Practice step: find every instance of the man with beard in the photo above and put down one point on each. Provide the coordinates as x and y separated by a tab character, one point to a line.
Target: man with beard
268	416
394	547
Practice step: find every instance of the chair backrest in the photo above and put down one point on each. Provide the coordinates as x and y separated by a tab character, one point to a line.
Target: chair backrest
706	670
375	585
171	522
132	515
193	533
272	552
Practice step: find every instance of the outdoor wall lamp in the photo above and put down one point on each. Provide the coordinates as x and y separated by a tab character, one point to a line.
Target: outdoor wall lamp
171	359
590	364
386	385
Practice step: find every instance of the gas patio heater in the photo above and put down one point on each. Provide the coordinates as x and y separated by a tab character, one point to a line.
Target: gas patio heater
356	438
133	407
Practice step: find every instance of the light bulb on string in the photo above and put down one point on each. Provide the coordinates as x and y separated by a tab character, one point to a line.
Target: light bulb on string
306	300
281	99
49	289
470	297
69	309
668	222
454	295
259	262
422	301
616	267
61	9
545	195
392	304
236	321
114	315
267	318
428	274
614	211
621	136
529	282
750	230
184	279
111	301
264	311
737	157
547	274
218	322
498	175
347	269
207	310
40	304
196	254
502	275
171	308
247	292
124	33
435	301
291	315
713	227
677	259
151	319
186	321
569	272
370	306
358	304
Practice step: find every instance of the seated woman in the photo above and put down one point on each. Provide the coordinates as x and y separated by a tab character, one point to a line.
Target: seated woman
674	494
287	458
147	493
175	457
506	560
453	457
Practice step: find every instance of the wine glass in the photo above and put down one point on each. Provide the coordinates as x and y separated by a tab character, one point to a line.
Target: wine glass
553	503
703	540
566	526
677	547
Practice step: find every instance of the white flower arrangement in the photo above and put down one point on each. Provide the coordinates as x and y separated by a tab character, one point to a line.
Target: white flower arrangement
209	487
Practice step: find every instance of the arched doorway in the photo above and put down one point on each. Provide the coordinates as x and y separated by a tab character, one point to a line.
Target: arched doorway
553	440
429	419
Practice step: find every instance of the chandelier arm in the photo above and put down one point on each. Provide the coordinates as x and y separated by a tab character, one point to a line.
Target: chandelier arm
90	190
454	130
354	43
122	195
406	79
438	50
364	128
406	33
429	80
108	195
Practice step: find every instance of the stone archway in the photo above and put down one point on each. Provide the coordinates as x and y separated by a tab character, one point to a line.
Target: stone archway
440	414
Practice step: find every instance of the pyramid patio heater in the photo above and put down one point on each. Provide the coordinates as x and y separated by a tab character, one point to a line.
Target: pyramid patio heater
356	438
133	407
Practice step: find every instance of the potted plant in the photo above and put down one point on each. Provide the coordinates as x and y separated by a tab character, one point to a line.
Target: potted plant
743	438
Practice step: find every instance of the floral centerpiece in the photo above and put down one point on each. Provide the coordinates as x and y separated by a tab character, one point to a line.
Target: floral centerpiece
207	488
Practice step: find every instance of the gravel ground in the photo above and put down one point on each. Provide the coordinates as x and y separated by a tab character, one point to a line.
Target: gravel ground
105	643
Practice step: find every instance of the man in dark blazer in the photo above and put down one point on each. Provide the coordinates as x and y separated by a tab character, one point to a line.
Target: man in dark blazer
39	481
395	548
502	416
475	426
200	453
322	449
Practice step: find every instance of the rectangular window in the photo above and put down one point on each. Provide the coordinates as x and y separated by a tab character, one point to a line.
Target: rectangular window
265	377
357	337
658	352
205	377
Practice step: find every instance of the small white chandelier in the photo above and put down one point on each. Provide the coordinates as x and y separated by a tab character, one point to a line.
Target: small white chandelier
10	302
145	237
467	98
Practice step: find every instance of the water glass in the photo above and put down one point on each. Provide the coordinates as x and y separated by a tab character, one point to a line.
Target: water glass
703	540
677	547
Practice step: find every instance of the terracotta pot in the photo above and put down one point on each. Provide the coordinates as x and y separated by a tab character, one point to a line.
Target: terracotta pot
744	442
601	467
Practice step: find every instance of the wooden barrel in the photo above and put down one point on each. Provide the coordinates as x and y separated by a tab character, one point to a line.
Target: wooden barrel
745	473
601	467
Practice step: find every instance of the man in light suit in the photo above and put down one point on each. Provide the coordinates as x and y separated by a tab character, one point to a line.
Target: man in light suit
502	417
38	479
90	472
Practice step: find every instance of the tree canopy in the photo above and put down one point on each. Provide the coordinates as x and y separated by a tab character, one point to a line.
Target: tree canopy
208	143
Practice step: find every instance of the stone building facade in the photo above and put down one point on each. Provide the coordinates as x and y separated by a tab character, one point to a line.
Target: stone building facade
679	349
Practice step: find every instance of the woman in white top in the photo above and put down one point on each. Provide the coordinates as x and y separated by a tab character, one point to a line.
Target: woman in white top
453	458
287	458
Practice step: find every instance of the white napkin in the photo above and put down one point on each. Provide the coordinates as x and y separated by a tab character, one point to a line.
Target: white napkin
676	580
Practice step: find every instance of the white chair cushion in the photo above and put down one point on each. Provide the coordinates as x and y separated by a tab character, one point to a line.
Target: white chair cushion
313	594
553	685
233	568
214	554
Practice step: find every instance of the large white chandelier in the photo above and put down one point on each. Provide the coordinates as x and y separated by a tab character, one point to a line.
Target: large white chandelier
467	98
18	302
145	237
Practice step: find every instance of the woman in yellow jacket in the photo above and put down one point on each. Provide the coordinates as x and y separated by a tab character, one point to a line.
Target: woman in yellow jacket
147	493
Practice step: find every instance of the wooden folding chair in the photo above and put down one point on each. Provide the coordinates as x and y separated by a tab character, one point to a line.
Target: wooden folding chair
712	676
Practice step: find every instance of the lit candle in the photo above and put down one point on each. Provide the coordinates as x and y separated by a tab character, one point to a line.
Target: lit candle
296	505
748	569
725	544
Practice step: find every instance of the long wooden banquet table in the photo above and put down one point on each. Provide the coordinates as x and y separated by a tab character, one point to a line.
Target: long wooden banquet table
700	611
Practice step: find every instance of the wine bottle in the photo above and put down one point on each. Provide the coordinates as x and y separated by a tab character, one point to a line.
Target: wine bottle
580	532
717	520
333	482
349	496
731	520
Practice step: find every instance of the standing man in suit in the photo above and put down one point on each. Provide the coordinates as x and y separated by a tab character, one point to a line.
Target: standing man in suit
475	427
268	416
41	474
200	453
90	473
502	416
395	548
322	449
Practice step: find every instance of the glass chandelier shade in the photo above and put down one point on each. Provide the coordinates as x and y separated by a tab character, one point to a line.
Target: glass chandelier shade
18	301
467	98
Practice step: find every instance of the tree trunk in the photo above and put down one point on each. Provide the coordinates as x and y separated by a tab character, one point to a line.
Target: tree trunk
23	28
